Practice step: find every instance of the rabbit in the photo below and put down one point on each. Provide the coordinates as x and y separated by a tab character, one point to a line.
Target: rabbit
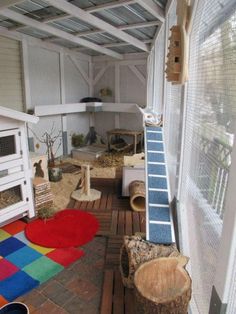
38	169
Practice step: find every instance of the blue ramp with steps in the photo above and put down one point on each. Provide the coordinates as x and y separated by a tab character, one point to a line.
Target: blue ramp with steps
159	217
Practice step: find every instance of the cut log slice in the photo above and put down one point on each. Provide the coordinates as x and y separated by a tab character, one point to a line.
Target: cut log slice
162	286
136	251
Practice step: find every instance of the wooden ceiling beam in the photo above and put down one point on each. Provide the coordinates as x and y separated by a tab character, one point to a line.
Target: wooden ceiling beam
56	32
95	21
9	3
109	5
153	9
122	27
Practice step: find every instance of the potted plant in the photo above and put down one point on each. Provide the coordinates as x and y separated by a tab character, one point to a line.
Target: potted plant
50	139
77	139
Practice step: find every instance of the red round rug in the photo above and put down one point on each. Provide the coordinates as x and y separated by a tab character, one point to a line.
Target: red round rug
69	227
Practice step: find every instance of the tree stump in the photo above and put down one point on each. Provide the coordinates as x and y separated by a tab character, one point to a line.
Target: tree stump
137	195
162	286
136	251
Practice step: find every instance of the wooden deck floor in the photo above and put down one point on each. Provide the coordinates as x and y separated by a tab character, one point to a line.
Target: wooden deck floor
116	219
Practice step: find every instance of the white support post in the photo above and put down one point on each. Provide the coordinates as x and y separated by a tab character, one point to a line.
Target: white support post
117	93
80	69
25	65
138	74
100	74
91	119
91	86
64	134
225	270
62	78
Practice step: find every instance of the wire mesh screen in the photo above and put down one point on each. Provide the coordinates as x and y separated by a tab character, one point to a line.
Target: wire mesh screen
172	120
159	72
7	145
10	196
208	138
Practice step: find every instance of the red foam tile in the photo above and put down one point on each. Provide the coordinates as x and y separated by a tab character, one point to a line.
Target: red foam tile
15	227
65	256
7	269
3	301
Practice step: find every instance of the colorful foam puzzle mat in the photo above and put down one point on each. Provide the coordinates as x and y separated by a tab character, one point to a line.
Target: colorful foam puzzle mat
24	265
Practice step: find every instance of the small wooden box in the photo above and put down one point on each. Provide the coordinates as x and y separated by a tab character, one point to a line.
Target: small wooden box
35	159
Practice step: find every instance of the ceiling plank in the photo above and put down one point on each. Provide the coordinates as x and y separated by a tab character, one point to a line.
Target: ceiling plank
8	3
152	8
46	20
56	32
95	21
110	45
122	27
139	25
109	5
148	41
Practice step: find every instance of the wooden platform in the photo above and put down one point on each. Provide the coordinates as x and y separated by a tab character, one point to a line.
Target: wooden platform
116	219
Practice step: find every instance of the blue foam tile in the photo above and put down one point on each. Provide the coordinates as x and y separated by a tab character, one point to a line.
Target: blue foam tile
157	169
160	233
154	128
159	213
155	146
158	183
23	256
10	245
156	157
17	284
155	136
155	197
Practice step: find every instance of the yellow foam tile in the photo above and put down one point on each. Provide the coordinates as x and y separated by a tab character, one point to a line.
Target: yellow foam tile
41	249
4	235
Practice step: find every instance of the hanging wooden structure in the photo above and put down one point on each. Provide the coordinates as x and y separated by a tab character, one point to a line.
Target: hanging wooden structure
135	251
177	57
162	286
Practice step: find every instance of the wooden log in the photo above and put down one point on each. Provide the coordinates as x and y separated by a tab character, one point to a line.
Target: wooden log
162	286
135	251
137	195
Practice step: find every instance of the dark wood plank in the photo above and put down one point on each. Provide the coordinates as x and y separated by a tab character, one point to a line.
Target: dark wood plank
103	203
136	224
121	222
128	223
106	303
142	218
96	204
129	301
83	205
77	204
90	205
118	299
112	260
114	221
109	201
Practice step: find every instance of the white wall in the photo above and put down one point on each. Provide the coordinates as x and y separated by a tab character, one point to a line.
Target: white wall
48	79
107	80
76	87
77	123
131	88
126	79
44	76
